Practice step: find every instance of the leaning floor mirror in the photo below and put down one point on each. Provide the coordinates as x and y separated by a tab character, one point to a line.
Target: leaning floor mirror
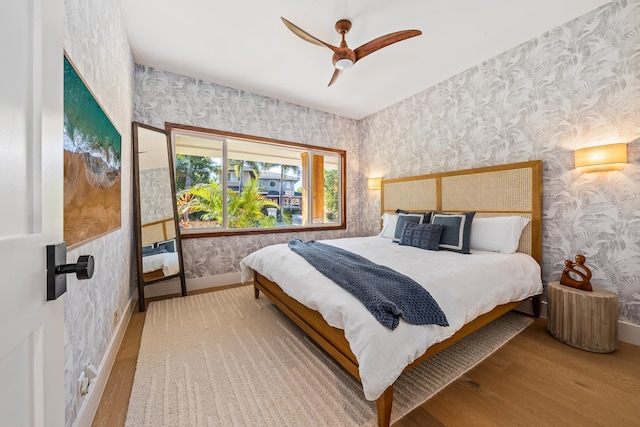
159	250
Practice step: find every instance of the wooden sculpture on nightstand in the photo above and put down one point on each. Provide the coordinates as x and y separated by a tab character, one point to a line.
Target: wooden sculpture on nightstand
582	272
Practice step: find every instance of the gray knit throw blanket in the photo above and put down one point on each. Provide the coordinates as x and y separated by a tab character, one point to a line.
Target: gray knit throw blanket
386	293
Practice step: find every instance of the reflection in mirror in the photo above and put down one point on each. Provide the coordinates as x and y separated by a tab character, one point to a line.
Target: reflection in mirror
159	250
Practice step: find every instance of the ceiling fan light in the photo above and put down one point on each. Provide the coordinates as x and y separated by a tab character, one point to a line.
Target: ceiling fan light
343	64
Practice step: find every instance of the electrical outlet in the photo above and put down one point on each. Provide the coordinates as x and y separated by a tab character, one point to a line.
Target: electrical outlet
116	317
83	385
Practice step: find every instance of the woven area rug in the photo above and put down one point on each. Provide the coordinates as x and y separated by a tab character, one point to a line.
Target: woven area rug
226	359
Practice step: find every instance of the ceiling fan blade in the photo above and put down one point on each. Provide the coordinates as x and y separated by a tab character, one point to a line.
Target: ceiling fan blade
306	36
336	73
384	41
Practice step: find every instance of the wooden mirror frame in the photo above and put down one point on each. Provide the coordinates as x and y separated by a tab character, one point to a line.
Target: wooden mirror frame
142	282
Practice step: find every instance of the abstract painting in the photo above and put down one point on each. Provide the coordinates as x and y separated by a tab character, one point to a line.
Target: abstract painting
91	164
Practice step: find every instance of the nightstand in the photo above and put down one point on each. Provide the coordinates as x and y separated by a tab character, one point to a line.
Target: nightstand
582	319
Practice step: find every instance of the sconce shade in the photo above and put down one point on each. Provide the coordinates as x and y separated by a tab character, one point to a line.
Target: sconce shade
602	158
374	183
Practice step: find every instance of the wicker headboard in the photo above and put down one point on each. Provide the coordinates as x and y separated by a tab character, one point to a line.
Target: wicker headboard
513	189
158	231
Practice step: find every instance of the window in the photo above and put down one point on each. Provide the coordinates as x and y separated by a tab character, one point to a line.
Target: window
220	179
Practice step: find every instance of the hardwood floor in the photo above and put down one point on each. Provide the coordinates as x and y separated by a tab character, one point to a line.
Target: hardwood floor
534	380
112	410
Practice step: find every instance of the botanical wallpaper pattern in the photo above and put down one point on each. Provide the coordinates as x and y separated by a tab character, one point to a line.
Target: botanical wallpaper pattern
574	86
155	195
96	42
160	97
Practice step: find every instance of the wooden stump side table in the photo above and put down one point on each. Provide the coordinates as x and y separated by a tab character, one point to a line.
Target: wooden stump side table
582	319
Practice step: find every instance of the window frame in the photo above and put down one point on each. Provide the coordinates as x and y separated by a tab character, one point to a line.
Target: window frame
213	232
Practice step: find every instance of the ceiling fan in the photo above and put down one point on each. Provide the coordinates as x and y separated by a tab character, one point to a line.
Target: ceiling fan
343	56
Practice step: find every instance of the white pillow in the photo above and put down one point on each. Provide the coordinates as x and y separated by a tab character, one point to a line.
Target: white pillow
389	222
497	234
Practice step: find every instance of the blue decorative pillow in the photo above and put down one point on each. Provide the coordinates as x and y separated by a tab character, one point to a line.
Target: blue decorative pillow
167	245
423	236
150	250
426	216
403	218
456	234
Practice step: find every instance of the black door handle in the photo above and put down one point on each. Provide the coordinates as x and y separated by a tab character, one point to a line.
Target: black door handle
83	268
57	270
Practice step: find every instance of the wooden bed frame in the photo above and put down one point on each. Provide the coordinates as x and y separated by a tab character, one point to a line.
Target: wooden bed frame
153	275
513	189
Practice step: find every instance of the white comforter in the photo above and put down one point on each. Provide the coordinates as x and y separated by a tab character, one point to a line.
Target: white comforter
465	286
167	261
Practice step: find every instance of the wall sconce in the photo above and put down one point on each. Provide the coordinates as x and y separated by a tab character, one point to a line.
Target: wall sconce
601	158
374	183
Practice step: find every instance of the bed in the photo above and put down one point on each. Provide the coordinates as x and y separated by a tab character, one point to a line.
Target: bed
159	250
160	265
335	321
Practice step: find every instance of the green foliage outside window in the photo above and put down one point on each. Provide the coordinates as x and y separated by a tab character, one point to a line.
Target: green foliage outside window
331	194
203	202
287	216
193	170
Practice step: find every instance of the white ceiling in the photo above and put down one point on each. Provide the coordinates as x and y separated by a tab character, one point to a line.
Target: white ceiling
243	44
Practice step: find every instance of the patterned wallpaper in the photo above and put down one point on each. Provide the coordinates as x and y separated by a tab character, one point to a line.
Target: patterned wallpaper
574	86
155	195
166	97
96	42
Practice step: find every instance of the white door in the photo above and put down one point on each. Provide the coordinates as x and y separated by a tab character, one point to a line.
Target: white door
31	329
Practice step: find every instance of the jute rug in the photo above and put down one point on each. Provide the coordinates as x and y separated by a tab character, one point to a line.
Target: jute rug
226	359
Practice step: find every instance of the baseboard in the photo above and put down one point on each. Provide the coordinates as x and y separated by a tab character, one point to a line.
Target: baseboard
543	309
90	403
629	332
213	281
172	286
